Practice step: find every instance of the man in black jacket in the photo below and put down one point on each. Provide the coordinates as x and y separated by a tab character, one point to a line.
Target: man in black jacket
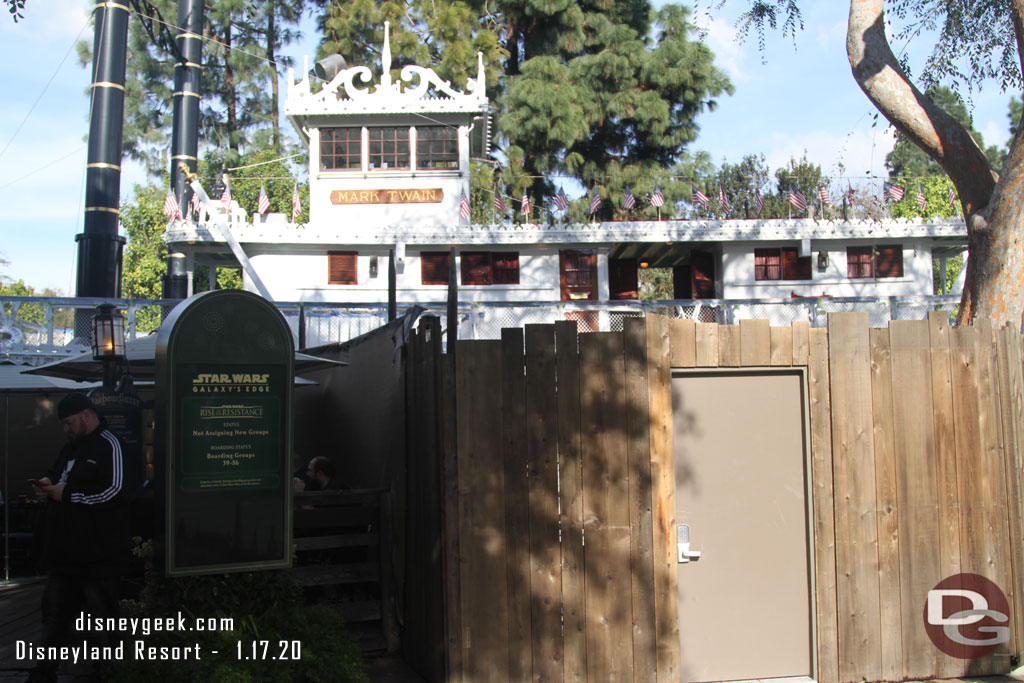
86	547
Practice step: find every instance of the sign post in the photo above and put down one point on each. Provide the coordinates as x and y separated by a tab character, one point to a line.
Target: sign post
225	375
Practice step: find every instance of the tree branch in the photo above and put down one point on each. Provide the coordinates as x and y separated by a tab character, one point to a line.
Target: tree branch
937	133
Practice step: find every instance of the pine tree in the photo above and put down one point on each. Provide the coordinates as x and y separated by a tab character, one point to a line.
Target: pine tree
240	99
601	92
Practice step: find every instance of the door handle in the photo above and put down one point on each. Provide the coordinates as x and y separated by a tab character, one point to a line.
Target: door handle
683	545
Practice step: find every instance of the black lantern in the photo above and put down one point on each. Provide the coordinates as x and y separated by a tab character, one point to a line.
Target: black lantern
108	341
107	333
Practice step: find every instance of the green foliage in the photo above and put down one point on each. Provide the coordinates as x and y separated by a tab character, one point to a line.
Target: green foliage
607	94
15	7
265	168
655	284
239	83
263	606
145	254
954	265
935	190
63	318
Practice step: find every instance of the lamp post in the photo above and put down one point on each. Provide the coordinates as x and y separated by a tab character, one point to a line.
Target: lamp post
108	341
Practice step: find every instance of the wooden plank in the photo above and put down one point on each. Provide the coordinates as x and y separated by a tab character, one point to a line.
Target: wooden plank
485	611
683	342
885	494
860	650
336	541
782	346
450	489
801	342
663	484
333	517
919	489
945	450
327	574
1013	463
823	508
606	509
517	504
755	343
987	503
574	667
542	466
641	534
728	346
707	345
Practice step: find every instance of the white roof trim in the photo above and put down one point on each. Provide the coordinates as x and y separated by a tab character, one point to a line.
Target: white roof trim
419	90
588	233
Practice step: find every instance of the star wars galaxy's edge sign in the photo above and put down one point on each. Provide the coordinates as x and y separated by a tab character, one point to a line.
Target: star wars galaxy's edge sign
407	196
230	428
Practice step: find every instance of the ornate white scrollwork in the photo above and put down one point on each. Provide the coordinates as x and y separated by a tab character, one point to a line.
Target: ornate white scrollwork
415	83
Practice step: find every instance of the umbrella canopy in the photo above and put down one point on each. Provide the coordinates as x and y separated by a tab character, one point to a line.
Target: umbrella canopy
14	379
141	355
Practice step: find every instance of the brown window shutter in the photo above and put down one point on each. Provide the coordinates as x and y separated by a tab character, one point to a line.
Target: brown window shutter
434	267
889	261
859	262
794	266
476	268
622	279
767	264
341	268
505	267
703	264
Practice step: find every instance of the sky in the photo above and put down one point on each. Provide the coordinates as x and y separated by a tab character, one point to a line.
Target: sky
789	100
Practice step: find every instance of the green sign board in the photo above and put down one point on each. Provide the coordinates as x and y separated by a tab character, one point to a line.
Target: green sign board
225	373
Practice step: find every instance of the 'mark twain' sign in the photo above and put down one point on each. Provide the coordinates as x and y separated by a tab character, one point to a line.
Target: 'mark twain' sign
225	370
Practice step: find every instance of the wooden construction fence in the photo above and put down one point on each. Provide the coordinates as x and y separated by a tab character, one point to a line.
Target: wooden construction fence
548	437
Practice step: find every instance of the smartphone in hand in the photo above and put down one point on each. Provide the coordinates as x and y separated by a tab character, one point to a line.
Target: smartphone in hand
38	482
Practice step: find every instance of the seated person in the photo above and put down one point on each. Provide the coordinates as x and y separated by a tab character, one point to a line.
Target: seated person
320	476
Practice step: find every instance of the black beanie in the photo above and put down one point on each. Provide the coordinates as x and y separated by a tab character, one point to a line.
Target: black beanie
72	404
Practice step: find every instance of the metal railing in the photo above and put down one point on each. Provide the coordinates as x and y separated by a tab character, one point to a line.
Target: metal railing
37	330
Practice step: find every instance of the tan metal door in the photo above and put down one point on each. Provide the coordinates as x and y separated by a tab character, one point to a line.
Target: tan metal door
740	464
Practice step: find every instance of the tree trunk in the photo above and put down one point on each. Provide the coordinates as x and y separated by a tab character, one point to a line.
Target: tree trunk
272	60
993	208
229	89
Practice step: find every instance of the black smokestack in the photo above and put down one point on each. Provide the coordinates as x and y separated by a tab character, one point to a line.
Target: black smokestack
187	71
99	245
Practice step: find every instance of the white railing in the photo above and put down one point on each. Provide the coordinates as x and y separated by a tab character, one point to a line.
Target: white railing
37	330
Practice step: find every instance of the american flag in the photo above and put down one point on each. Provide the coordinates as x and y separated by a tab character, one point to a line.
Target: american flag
849	193
561	201
700	198
657	199
463	206
195	203
499	201
797	199
171	208
724	201
630	200
823	196
525	208
296	205
922	203
225	200
951	196
893	192
595	202
263	205
759	200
